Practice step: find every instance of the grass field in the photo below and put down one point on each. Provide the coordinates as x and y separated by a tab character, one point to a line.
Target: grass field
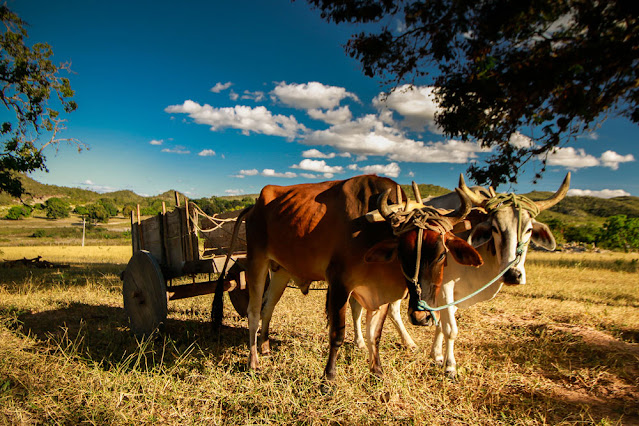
560	350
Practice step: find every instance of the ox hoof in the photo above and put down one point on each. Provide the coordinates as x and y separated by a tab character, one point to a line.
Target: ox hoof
360	344
412	348
254	364
451	375
265	348
377	372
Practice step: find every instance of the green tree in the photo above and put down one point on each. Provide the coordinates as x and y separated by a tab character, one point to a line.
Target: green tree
18	212
548	69
583	233
620	232
97	213
57	208
109	206
81	210
127	209
30	83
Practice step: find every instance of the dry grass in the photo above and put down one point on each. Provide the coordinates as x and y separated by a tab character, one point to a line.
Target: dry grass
558	350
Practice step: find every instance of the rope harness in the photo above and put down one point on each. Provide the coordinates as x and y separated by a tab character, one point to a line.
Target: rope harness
492	206
424	218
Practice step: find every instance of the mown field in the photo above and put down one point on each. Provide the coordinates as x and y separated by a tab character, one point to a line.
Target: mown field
560	350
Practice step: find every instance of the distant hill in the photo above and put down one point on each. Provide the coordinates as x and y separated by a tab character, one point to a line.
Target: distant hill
575	210
36	192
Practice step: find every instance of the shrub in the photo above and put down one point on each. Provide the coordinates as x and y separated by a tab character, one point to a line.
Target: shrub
97	213
18	212
39	233
57	208
109	206
81	210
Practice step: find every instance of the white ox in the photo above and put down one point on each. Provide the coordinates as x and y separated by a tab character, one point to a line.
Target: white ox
496	234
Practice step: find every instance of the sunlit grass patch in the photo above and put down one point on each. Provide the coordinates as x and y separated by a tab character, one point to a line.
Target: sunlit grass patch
550	352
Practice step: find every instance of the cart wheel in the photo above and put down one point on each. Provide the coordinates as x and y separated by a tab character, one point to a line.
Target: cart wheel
144	294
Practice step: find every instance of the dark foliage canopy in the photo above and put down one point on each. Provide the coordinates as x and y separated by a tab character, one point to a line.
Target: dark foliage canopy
29	81
548	69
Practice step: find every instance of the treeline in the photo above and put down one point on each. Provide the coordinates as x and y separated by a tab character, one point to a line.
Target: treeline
105	208
619	232
215	205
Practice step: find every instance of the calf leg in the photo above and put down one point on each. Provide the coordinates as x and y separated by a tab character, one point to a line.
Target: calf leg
449	329
356	312
336	308
396	317
277	285
374	326
257	268
436	351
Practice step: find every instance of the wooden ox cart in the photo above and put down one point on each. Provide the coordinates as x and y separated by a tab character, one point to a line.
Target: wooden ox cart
166	247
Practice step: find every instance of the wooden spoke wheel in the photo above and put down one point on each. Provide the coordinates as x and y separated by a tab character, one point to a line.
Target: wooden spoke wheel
144	294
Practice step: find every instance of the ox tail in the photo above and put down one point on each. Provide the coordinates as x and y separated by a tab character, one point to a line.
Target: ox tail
217	308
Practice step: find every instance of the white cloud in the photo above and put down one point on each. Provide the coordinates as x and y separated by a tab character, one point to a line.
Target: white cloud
233	96
604	193
219	87
254	96
571	158
318	166
243	173
312	95
314	153
334	116
520	141
590	135
273	173
309	175
266	172
177	150
612	159
390	170
157	142
244	118
234	191
370	136
91	186
206	153
416	104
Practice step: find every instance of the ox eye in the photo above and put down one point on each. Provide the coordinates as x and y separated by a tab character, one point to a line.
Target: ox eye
441	258
528	231
495	230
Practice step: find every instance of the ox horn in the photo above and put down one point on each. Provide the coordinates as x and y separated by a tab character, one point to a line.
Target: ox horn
463	210
557	197
382	204
475	198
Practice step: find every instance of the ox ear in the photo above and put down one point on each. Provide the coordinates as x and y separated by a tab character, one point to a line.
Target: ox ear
481	234
542	236
382	252
463	252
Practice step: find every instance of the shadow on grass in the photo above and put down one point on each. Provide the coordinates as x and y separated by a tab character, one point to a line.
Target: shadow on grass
591	380
15	279
100	334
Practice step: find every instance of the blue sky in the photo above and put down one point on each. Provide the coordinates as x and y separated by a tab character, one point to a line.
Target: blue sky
224	97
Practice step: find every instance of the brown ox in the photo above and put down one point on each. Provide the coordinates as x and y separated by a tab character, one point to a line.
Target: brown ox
318	232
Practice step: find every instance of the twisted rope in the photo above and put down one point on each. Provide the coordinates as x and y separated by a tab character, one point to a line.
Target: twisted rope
427	218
